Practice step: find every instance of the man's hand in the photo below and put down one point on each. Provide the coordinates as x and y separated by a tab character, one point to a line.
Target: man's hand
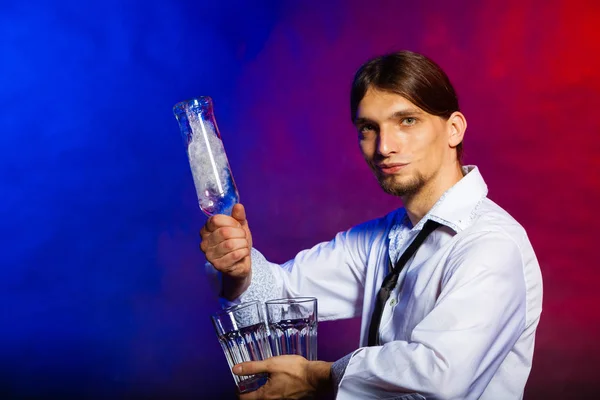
290	377
226	243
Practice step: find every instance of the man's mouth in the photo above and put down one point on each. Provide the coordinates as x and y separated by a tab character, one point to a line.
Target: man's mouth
388	169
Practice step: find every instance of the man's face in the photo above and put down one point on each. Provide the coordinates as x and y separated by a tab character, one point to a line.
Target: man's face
404	146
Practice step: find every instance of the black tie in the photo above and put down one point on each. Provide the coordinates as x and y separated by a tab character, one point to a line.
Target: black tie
390	281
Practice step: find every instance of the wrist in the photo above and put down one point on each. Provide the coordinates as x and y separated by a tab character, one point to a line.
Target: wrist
232	288
319	375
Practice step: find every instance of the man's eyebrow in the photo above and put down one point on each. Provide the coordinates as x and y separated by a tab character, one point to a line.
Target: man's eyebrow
409	112
361	120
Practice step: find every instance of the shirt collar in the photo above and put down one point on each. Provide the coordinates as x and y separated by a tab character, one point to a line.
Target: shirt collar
455	208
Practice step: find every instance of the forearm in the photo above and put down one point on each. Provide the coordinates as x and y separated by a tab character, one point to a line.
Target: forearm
448	363
399	368
333	272
323	272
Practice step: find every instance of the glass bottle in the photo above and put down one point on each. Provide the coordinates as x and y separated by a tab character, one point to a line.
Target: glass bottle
215	187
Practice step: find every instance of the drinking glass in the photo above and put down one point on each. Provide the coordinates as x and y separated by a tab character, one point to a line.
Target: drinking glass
243	335
293	324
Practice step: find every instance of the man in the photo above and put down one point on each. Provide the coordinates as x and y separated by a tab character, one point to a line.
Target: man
461	320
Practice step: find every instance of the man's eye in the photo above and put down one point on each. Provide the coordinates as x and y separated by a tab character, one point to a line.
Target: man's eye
409	121
366	128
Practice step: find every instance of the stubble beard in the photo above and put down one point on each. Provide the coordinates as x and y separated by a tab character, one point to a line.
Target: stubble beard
407	187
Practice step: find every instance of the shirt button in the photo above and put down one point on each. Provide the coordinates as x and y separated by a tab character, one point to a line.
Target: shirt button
393	302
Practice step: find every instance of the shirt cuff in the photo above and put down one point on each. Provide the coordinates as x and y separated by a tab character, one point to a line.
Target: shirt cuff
338	368
264	284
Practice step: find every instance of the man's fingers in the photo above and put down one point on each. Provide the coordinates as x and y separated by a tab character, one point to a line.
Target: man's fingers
258	394
233	249
230	245
227	263
222	235
239	214
218	221
250	368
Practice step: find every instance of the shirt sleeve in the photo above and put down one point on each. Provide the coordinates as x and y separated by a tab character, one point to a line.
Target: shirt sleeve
333	272
338	369
454	352
263	284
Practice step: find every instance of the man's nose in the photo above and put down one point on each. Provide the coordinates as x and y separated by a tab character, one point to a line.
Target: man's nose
386	143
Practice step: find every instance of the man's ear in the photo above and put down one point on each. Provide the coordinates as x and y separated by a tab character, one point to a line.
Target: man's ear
457	125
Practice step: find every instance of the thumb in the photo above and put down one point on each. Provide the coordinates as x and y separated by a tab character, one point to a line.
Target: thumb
250	368
239	213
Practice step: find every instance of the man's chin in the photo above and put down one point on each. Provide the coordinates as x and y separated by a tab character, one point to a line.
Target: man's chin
392	186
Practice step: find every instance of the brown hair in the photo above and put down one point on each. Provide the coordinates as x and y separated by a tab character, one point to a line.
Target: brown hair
412	76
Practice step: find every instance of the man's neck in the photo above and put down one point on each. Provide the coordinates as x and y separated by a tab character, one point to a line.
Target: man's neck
419	204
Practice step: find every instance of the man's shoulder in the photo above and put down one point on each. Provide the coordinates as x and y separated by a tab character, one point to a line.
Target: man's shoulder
384	221
495	234
491	219
377	227
490	216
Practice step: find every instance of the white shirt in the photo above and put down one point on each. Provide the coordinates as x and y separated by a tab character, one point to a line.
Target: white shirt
461	322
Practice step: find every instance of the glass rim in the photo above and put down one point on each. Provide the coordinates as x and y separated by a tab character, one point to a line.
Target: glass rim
192	102
291	300
236	307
